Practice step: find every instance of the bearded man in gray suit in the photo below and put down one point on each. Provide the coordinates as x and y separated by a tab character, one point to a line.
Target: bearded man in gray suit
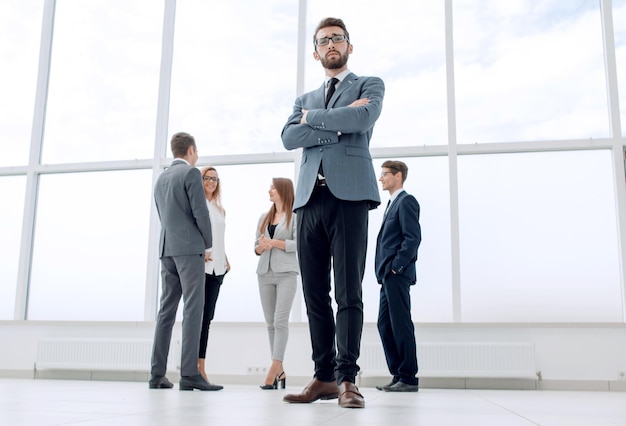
336	188
184	246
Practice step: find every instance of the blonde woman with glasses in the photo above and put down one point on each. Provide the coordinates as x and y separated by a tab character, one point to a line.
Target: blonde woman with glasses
216	264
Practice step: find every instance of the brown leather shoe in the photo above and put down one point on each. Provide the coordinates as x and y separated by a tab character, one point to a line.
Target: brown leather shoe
313	391
350	397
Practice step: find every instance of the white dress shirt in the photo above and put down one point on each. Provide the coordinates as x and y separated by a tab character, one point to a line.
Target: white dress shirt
216	266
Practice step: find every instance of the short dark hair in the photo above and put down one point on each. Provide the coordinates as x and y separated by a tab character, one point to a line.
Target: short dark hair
330	22
397	166
180	144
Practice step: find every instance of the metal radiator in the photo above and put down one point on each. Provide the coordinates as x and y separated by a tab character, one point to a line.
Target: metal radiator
94	354
460	360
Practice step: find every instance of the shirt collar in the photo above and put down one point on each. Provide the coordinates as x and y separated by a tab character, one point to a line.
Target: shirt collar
181	159
341	76
395	195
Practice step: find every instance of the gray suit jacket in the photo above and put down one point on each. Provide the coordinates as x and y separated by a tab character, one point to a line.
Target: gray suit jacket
181	204
276	259
345	157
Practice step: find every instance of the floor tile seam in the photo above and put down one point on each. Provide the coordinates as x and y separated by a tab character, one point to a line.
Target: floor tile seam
507	409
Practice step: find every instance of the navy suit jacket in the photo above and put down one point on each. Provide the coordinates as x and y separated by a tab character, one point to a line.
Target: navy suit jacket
399	238
345	157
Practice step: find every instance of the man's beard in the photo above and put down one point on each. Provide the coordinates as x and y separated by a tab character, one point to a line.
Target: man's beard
334	63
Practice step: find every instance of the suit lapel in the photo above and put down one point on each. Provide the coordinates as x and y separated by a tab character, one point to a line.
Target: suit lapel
321	96
394	205
279	225
343	86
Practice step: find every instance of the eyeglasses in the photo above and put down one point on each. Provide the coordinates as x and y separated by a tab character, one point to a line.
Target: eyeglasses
382	175
210	178
336	39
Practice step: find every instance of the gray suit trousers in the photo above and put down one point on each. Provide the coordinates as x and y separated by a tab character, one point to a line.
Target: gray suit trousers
277	291
181	276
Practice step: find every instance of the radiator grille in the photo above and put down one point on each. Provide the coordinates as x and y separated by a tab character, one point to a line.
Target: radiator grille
94	354
461	360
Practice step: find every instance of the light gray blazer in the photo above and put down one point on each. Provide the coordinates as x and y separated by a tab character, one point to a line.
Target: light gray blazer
181	204
345	157
277	260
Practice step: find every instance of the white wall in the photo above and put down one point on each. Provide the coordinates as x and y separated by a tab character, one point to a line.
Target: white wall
572	354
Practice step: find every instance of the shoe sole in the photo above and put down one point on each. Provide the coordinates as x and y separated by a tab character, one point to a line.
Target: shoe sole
352	406
160	386
323	398
404	390
190	388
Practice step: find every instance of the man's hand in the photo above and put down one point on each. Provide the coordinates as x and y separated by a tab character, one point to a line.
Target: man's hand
360	102
304	113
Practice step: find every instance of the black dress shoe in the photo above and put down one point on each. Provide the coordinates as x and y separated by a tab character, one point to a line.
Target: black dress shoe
385	387
402	387
189	383
160	382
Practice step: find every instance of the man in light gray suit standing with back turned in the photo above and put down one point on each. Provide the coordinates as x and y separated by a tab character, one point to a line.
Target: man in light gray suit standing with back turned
183	248
336	188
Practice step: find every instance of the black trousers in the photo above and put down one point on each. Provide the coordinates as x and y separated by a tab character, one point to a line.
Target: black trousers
333	232
396	328
212	284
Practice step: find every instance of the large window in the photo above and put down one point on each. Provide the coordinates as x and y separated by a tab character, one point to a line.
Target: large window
431	296
619	22
91	245
245	198
529	70
234	73
12	193
509	235
538	238
407	50
104	80
20	29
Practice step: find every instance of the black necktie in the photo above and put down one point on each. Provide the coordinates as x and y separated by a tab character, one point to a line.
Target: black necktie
331	89
386	209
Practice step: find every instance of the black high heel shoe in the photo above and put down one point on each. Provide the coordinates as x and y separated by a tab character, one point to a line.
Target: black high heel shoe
281	378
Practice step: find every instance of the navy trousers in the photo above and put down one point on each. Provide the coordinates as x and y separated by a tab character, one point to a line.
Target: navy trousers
396	328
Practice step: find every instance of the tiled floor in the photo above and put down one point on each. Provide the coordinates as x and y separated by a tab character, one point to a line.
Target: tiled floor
90	403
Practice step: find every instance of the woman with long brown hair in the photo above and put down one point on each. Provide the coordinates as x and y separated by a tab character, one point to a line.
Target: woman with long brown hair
277	273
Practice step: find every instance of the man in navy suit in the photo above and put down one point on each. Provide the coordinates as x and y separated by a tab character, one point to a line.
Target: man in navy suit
336	188
396	253
184	246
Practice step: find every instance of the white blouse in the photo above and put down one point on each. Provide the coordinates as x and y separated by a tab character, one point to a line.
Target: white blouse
216	266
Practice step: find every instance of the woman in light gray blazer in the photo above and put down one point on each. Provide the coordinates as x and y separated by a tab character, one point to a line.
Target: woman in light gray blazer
277	272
